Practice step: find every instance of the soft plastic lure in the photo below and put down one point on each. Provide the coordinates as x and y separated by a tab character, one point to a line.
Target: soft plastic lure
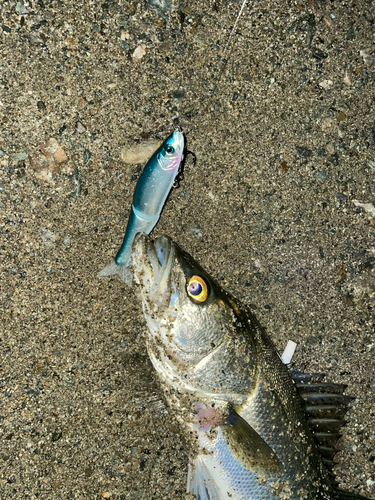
150	193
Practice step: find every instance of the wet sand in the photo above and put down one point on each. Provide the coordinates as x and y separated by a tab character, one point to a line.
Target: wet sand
284	144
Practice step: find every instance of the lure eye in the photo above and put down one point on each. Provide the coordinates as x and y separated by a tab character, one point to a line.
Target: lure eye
197	289
169	149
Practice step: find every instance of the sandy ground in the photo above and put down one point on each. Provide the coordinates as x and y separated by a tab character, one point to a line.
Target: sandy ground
284	141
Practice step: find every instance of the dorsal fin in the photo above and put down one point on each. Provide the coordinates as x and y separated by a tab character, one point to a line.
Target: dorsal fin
346	495
325	406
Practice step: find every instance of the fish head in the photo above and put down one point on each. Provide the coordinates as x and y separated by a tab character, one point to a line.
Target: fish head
195	327
171	152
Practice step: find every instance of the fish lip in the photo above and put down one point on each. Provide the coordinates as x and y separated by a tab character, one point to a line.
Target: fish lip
146	254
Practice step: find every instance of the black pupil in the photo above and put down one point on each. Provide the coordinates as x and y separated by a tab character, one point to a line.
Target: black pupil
195	288
169	149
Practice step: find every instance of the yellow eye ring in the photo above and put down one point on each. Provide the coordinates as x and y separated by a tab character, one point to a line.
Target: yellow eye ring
197	289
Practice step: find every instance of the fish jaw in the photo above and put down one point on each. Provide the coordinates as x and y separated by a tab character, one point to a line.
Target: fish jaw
152	264
152	267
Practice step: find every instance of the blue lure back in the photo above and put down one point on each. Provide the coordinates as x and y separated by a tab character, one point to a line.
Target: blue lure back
150	194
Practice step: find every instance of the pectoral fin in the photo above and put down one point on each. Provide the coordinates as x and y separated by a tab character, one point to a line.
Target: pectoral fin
234	460
248	447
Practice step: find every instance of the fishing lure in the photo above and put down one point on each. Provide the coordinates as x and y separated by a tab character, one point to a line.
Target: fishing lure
150	193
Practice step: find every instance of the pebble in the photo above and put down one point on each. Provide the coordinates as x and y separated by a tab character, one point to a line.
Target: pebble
139	52
122	21
47	159
326	84
105	494
347	80
162	7
133	154
362	285
48	237
21	156
340	116
368	207
80	128
328	20
321	176
21	9
366	56
304	152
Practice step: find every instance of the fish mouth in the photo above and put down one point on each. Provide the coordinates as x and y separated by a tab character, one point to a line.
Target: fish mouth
152	264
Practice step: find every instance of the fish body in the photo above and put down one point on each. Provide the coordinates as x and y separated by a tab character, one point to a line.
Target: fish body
224	379
151	191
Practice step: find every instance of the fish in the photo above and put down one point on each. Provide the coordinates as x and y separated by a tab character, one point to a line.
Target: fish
150	194
241	409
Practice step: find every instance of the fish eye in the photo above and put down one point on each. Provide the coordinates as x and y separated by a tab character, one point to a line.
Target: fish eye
197	289
169	149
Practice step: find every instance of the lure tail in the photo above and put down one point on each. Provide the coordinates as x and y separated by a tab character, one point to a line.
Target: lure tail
122	271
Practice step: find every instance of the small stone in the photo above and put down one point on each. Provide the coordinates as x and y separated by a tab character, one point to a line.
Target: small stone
318	54
133	154
361	285
139	52
321	176
366	56
21	9
48	159
304	152
105	494
56	436
328	20
122	21
341	197
179	94
284	166
55	150
86	156
80	128
48	237
368	207
347	79
21	156
313	5
88	471
326	84
340	116
370	163
162	7
165	47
